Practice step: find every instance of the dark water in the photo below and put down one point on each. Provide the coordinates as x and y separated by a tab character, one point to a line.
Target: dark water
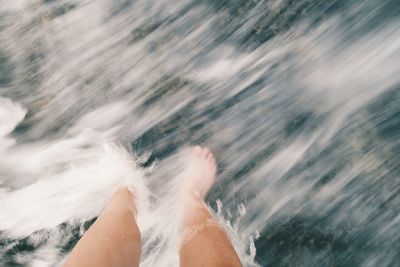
299	101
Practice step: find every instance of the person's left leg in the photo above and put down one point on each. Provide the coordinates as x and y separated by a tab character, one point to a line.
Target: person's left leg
113	240
204	241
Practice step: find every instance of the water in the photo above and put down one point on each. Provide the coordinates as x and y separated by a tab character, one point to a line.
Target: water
299	101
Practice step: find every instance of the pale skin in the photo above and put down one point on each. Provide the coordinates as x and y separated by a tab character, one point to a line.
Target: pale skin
114	239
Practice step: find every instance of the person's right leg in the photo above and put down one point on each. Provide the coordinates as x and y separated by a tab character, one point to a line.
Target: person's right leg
113	240
204	242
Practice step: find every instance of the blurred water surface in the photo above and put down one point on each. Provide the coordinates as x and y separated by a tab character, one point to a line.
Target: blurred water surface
299	101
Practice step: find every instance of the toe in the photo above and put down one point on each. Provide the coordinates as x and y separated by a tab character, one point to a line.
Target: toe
197	150
210	157
206	151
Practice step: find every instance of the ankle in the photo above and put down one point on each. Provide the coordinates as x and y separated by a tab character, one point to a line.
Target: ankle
194	211
193	201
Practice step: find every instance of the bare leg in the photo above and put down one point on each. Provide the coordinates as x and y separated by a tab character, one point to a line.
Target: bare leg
204	242
113	240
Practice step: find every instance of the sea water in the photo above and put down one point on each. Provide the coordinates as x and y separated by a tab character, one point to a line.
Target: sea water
298	100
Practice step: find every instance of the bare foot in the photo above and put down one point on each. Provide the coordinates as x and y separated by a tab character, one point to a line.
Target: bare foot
200	173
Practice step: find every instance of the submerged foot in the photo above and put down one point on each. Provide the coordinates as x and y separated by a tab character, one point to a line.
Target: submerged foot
123	199
200	173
